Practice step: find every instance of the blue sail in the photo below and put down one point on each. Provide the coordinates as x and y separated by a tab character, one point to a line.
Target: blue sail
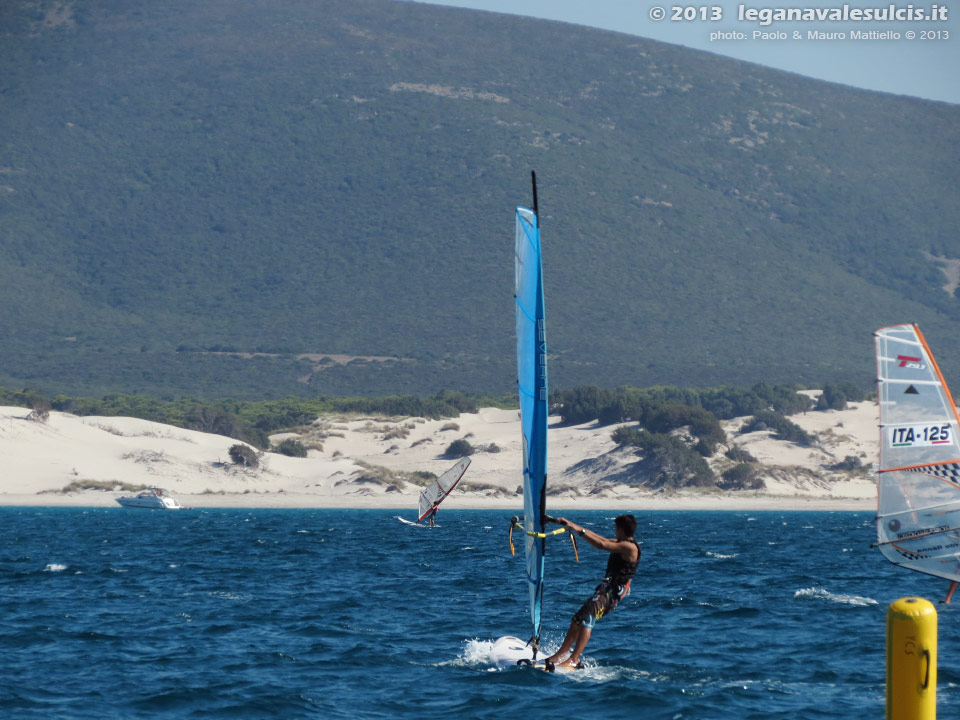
532	387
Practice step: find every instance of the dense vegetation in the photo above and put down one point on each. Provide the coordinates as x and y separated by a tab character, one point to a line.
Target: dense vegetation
252	421
835	396
667	461
661	408
783	428
315	198
676	460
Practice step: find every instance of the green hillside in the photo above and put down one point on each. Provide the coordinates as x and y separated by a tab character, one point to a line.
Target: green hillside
195	197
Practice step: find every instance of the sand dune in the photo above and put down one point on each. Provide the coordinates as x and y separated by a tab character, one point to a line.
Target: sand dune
369	462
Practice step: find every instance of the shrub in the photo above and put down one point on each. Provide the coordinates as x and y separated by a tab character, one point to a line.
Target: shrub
850	463
421	477
703	423
663	419
582	404
667	459
39	408
739	455
400	432
706	448
835	396
211	418
782	398
244	455
459	448
291	447
391	480
109	485
740	477
674	464
626	436
784	429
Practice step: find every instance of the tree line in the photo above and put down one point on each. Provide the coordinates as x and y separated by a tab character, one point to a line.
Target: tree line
249	421
658	409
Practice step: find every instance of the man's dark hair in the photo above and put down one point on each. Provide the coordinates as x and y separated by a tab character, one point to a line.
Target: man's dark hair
628	523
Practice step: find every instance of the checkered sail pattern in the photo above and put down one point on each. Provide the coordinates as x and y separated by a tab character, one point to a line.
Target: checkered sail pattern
918	486
950	471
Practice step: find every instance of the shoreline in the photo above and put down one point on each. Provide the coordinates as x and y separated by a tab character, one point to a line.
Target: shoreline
402	504
365	462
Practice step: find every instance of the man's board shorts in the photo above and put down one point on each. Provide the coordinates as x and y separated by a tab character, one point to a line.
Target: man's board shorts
604	601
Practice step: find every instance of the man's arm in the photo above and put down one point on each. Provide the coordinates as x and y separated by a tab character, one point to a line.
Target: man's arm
626	550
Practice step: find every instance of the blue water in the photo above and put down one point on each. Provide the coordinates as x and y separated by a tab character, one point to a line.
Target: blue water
346	614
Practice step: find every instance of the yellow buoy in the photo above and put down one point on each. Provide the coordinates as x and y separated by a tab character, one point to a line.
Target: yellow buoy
911	660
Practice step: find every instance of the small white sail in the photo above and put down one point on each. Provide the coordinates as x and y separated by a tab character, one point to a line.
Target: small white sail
918	487
438	490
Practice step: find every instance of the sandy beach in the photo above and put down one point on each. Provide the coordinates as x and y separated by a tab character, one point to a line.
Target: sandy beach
370	462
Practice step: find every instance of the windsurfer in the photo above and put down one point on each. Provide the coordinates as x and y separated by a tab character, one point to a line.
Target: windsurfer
432	517
621	567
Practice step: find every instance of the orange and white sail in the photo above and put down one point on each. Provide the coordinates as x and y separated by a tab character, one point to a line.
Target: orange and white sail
918	485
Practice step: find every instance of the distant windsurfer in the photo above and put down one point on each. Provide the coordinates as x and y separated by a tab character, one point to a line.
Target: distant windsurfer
621	567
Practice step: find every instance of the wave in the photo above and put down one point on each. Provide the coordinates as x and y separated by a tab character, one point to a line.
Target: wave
479	653
703	552
721	556
476	652
841	598
407	522
55	567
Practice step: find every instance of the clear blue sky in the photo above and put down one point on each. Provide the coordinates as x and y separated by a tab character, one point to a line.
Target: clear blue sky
921	67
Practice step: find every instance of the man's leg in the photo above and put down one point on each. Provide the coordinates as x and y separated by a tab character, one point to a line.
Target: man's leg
573	632
583	637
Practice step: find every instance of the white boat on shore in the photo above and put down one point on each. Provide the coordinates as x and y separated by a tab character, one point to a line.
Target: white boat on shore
152	499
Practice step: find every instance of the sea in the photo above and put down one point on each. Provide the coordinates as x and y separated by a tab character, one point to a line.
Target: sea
230	613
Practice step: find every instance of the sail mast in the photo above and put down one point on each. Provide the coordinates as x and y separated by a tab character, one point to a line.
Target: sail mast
532	390
536	205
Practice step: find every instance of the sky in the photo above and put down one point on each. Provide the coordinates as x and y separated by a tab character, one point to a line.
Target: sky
926	65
